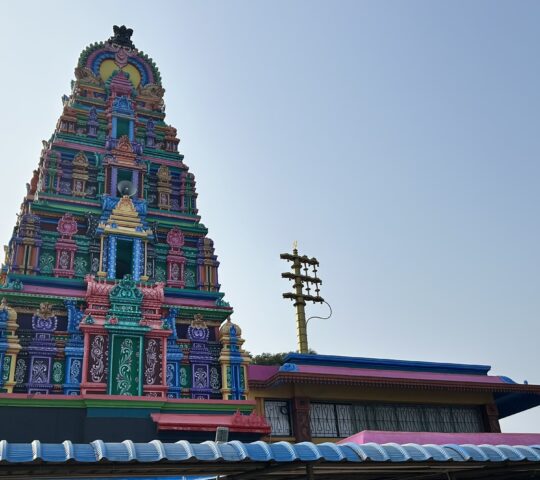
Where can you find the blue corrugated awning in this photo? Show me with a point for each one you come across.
(235, 458)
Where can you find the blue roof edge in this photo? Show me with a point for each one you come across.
(385, 364)
(281, 452)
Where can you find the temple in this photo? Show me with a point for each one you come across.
(110, 283)
(113, 325)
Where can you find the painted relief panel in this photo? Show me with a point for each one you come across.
(97, 360)
(185, 376)
(153, 358)
(125, 365)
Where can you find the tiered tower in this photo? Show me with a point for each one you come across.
(110, 282)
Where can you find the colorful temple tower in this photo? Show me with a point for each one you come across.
(110, 284)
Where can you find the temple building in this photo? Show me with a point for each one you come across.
(110, 283)
(113, 326)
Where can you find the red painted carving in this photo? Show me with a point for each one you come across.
(252, 421)
(153, 297)
(67, 226)
(175, 258)
(97, 299)
(65, 247)
(175, 239)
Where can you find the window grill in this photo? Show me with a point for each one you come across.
(322, 418)
(277, 415)
(343, 420)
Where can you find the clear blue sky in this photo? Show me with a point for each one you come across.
(396, 141)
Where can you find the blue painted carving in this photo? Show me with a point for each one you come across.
(200, 358)
(174, 355)
(42, 350)
(140, 206)
(74, 349)
(137, 259)
(288, 367)
(150, 134)
(237, 381)
(123, 106)
(92, 125)
(111, 267)
(114, 181)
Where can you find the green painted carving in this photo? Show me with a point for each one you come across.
(222, 303)
(6, 367)
(126, 290)
(46, 263)
(58, 372)
(242, 378)
(189, 278)
(15, 284)
(82, 243)
(124, 377)
(49, 241)
(81, 266)
(190, 253)
(228, 376)
(160, 274)
(125, 374)
(125, 311)
(185, 380)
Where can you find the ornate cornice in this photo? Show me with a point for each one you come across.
(378, 382)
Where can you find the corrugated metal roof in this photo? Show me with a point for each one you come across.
(236, 451)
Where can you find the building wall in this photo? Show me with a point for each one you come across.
(300, 396)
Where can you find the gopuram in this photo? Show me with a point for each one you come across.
(110, 284)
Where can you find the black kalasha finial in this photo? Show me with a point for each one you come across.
(122, 36)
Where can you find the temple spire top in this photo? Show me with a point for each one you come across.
(122, 36)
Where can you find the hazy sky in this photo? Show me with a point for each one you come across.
(396, 141)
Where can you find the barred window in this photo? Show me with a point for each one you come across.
(277, 414)
(331, 420)
(322, 417)
(343, 420)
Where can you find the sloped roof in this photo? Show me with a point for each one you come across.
(237, 422)
(265, 460)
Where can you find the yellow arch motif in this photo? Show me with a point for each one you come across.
(108, 67)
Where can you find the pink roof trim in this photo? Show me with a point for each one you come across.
(437, 438)
(262, 372)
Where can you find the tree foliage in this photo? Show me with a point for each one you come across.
(267, 358)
